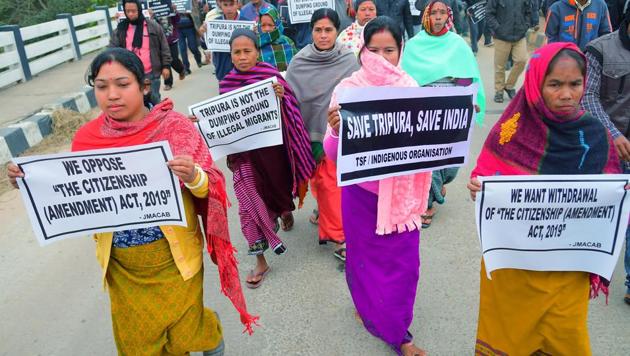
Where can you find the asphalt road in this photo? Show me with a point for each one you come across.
(52, 301)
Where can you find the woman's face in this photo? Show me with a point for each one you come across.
(324, 34)
(438, 15)
(266, 24)
(563, 87)
(244, 53)
(118, 93)
(384, 44)
(366, 12)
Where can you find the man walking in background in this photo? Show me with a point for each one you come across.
(577, 21)
(145, 38)
(509, 21)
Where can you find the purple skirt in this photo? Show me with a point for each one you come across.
(382, 271)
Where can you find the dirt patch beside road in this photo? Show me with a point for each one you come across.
(64, 123)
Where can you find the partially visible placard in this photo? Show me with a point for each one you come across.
(218, 33)
(300, 11)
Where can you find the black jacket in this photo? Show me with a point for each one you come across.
(160, 52)
(509, 20)
(399, 11)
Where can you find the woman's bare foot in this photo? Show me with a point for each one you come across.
(358, 317)
(409, 349)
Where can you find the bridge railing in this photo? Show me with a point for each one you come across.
(28, 51)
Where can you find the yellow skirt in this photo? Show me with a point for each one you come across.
(154, 311)
(529, 312)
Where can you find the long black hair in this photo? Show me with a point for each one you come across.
(381, 24)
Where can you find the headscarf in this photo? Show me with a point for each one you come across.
(275, 48)
(430, 58)
(531, 139)
(123, 25)
(427, 23)
(313, 74)
(294, 135)
(403, 199)
(164, 124)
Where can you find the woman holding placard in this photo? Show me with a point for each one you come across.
(267, 179)
(542, 131)
(313, 74)
(438, 57)
(381, 219)
(155, 275)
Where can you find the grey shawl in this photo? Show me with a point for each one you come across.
(313, 75)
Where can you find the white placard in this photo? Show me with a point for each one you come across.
(552, 222)
(300, 11)
(241, 120)
(218, 33)
(183, 5)
(81, 193)
(412, 8)
(386, 131)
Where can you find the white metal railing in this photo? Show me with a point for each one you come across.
(10, 67)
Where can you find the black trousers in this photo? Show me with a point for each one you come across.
(176, 63)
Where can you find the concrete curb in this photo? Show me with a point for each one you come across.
(17, 138)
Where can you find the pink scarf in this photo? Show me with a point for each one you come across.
(401, 200)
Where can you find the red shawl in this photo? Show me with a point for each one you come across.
(164, 124)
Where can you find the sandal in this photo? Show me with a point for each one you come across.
(427, 219)
(314, 219)
(340, 254)
(256, 284)
(286, 221)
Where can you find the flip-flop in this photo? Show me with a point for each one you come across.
(254, 285)
(287, 221)
(340, 254)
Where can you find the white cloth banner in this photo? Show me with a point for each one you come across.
(241, 120)
(115, 189)
(300, 11)
(553, 222)
(387, 132)
(218, 33)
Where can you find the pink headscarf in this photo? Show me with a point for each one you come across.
(401, 200)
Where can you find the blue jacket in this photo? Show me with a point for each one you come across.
(567, 23)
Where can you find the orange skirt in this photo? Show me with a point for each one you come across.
(530, 312)
(328, 196)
